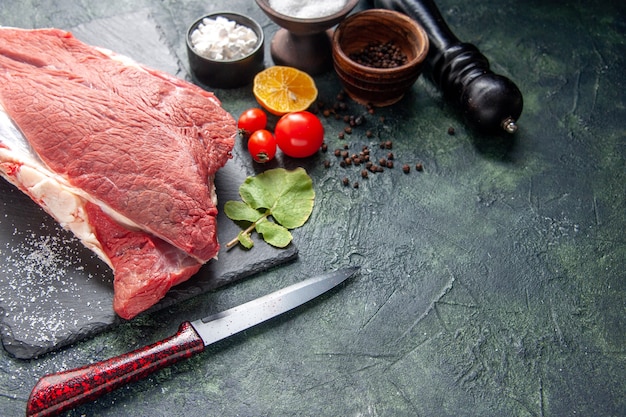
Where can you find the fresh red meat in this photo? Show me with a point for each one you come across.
(137, 148)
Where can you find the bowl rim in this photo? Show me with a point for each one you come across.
(394, 14)
(350, 4)
(243, 20)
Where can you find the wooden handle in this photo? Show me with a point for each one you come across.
(59, 392)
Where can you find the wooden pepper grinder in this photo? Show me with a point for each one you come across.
(490, 102)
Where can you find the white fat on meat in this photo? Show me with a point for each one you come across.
(22, 167)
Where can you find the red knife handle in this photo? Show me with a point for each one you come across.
(62, 391)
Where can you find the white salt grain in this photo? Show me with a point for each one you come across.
(221, 39)
(308, 9)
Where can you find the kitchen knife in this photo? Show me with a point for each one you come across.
(62, 391)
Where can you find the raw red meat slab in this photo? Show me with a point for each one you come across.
(139, 144)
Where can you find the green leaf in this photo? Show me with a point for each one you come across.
(289, 195)
(238, 210)
(274, 234)
(286, 197)
(245, 240)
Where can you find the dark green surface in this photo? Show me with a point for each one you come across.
(493, 282)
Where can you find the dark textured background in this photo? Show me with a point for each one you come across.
(493, 282)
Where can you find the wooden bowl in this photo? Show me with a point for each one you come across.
(301, 26)
(378, 86)
(304, 43)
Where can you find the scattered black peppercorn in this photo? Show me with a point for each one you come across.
(451, 130)
(345, 152)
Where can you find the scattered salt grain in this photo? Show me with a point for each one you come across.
(221, 39)
(308, 9)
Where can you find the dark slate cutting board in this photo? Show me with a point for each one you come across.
(54, 291)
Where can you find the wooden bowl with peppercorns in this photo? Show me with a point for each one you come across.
(378, 55)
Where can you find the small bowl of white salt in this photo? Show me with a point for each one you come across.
(304, 40)
(225, 49)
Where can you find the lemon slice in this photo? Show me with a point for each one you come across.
(281, 89)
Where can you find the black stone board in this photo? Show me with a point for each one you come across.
(54, 291)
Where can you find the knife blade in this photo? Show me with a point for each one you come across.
(62, 391)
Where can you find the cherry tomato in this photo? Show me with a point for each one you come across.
(262, 146)
(250, 121)
(299, 134)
